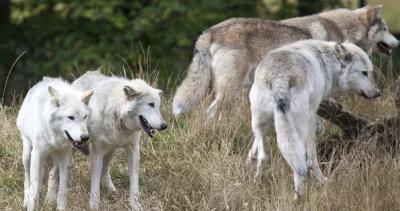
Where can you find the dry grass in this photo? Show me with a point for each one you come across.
(195, 167)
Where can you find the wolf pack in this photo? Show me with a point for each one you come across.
(290, 67)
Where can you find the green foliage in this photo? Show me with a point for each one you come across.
(64, 38)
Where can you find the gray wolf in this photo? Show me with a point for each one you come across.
(121, 108)
(52, 121)
(290, 83)
(225, 54)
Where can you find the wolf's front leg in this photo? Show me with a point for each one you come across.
(26, 161)
(133, 151)
(35, 179)
(106, 181)
(52, 184)
(95, 176)
(63, 165)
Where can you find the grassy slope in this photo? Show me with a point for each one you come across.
(194, 167)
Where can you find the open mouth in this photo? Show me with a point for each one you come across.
(384, 48)
(75, 144)
(146, 126)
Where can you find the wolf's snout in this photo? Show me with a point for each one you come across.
(396, 44)
(371, 94)
(163, 126)
(85, 138)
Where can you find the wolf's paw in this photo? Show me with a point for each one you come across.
(50, 199)
(259, 169)
(251, 160)
(255, 162)
(135, 205)
(60, 207)
(297, 196)
(94, 204)
(109, 186)
(322, 181)
(26, 201)
(25, 204)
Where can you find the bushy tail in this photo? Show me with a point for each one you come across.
(198, 79)
(289, 142)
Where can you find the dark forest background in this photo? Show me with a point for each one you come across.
(57, 38)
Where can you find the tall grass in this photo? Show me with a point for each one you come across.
(198, 166)
(194, 166)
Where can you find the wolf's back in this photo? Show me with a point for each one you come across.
(88, 80)
(198, 79)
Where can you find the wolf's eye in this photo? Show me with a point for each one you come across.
(71, 118)
(151, 105)
(365, 73)
(85, 117)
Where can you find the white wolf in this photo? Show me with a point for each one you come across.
(225, 54)
(290, 82)
(120, 109)
(52, 120)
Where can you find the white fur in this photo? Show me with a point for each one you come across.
(43, 122)
(295, 128)
(114, 124)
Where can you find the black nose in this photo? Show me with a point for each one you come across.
(163, 126)
(84, 138)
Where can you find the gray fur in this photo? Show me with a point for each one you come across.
(290, 83)
(233, 47)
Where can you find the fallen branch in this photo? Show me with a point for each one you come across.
(383, 133)
(350, 123)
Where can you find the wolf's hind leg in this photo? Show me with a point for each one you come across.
(257, 152)
(230, 68)
(106, 181)
(298, 185)
(312, 151)
(261, 119)
(212, 109)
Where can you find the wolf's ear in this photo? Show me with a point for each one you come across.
(343, 54)
(130, 92)
(159, 91)
(55, 95)
(373, 13)
(86, 96)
